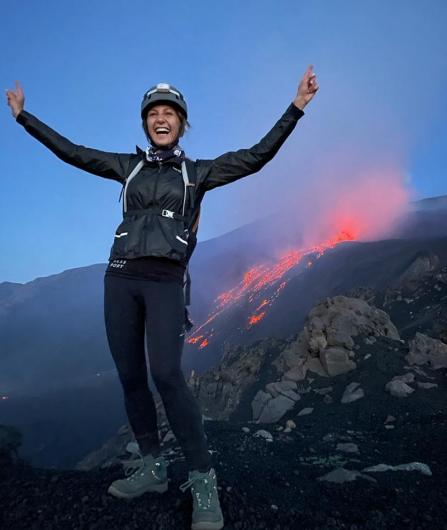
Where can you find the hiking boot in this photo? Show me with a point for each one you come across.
(150, 474)
(206, 511)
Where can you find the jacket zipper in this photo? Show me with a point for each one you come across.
(156, 183)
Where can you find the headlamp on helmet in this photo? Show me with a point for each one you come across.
(163, 93)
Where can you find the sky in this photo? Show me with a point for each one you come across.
(378, 122)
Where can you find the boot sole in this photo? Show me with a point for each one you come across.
(158, 488)
(207, 525)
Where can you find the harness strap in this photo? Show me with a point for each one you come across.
(160, 211)
(135, 171)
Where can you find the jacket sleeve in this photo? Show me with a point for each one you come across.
(234, 165)
(108, 165)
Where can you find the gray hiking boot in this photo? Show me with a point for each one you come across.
(150, 474)
(206, 511)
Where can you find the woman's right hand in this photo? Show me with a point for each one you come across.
(16, 99)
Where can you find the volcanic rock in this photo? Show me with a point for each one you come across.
(274, 409)
(352, 393)
(336, 360)
(282, 387)
(347, 447)
(398, 388)
(259, 402)
(426, 385)
(220, 389)
(424, 264)
(325, 345)
(305, 411)
(411, 466)
(340, 475)
(426, 350)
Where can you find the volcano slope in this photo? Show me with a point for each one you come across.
(337, 458)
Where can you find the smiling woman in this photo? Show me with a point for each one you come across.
(163, 125)
(160, 107)
(144, 297)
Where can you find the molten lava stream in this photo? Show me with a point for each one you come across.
(260, 277)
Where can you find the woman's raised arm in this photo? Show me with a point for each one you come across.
(101, 163)
(234, 165)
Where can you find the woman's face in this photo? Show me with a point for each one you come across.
(163, 125)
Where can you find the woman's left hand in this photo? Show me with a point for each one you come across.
(306, 89)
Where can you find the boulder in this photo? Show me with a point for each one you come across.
(426, 350)
(275, 409)
(336, 361)
(260, 400)
(313, 364)
(425, 263)
(279, 387)
(325, 346)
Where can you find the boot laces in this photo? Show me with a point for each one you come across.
(136, 464)
(203, 487)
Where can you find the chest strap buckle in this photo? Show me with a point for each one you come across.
(167, 213)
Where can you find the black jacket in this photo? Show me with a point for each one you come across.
(144, 231)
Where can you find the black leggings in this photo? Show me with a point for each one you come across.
(130, 307)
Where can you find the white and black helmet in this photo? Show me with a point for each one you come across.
(163, 93)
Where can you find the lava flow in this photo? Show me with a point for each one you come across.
(260, 278)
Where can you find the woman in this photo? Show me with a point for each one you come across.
(144, 281)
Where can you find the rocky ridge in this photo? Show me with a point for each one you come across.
(362, 392)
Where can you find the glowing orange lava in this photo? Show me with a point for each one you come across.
(260, 277)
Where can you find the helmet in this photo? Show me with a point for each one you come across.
(163, 93)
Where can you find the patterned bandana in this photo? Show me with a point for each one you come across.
(175, 154)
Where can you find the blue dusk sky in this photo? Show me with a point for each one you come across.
(84, 66)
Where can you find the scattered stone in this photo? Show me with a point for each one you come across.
(412, 466)
(406, 378)
(352, 393)
(280, 387)
(259, 401)
(347, 447)
(419, 371)
(261, 433)
(275, 409)
(341, 475)
(305, 411)
(427, 385)
(398, 388)
(324, 390)
(426, 350)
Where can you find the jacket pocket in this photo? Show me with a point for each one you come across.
(127, 236)
(173, 240)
